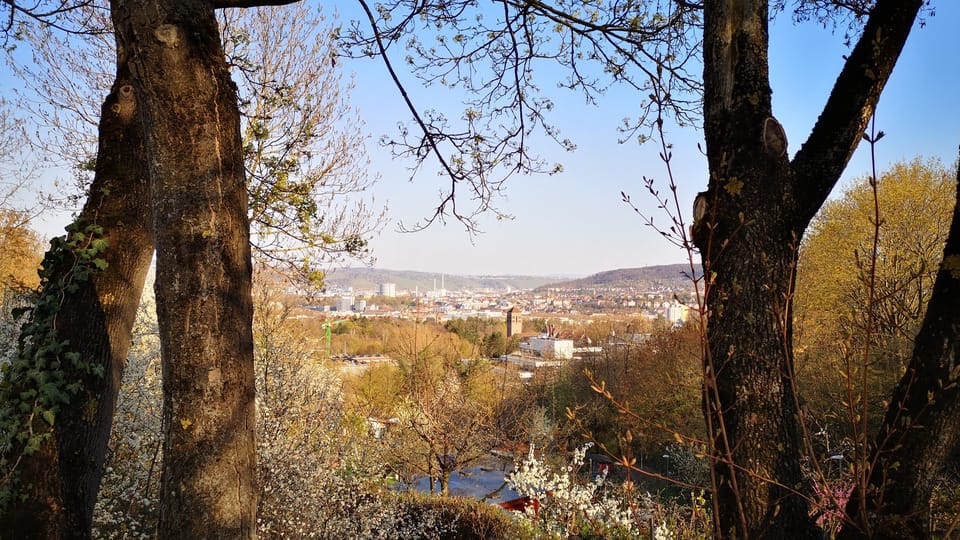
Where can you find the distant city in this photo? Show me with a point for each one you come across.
(657, 292)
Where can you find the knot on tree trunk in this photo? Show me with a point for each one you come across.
(168, 34)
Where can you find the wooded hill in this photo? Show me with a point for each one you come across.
(668, 276)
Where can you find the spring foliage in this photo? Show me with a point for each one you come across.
(915, 200)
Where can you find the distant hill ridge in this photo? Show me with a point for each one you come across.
(408, 280)
(670, 275)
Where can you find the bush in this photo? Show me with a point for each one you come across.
(468, 519)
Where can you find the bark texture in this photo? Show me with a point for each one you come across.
(191, 124)
(98, 322)
(759, 203)
(123, 195)
(749, 395)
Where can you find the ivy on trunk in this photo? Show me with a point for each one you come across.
(61, 481)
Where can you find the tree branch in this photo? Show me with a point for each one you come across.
(54, 17)
(429, 140)
(224, 4)
(820, 161)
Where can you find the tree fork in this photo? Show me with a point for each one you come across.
(762, 204)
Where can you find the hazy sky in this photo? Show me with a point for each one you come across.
(574, 223)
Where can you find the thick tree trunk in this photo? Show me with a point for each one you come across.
(445, 482)
(123, 196)
(749, 395)
(97, 320)
(757, 207)
(748, 244)
(921, 429)
(204, 306)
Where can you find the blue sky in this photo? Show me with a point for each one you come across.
(574, 223)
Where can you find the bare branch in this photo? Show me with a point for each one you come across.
(226, 4)
(429, 137)
(821, 159)
(493, 51)
(68, 16)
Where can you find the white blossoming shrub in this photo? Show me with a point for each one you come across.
(687, 464)
(128, 503)
(316, 477)
(567, 506)
(685, 517)
(9, 324)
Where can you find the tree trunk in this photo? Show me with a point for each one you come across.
(203, 291)
(921, 429)
(445, 482)
(758, 204)
(98, 321)
(748, 249)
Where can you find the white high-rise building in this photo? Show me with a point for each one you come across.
(388, 289)
(678, 313)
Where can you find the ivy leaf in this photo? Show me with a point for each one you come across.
(100, 244)
(48, 415)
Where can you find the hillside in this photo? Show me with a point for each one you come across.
(668, 276)
(371, 278)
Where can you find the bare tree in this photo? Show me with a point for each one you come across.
(304, 151)
(309, 187)
(494, 51)
(759, 204)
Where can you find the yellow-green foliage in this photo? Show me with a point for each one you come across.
(915, 201)
(21, 251)
(839, 331)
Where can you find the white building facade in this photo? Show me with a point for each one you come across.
(345, 303)
(678, 313)
(548, 347)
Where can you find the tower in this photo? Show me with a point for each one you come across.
(514, 324)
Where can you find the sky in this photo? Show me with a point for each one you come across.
(574, 223)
